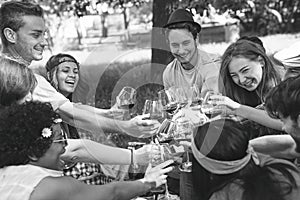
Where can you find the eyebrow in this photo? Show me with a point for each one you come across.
(239, 70)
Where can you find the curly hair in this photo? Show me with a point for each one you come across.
(11, 14)
(21, 132)
(227, 140)
(16, 81)
(251, 50)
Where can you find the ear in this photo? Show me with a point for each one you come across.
(10, 35)
(261, 61)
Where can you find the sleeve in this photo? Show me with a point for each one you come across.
(44, 92)
(210, 79)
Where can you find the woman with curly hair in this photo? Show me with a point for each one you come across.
(16, 84)
(246, 76)
(32, 143)
(225, 167)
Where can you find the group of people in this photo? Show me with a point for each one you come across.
(231, 160)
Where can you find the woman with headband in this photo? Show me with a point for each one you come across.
(225, 167)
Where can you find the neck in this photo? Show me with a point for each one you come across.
(12, 53)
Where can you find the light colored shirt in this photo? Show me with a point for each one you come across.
(205, 74)
(18, 182)
(45, 92)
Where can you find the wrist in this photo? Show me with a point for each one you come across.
(148, 185)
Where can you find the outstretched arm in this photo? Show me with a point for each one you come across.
(279, 146)
(84, 150)
(67, 188)
(87, 117)
(256, 115)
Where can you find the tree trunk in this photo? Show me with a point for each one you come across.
(103, 24)
(161, 55)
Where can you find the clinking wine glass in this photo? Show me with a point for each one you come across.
(167, 98)
(195, 95)
(184, 132)
(208, 106)
(164, 155)
(126, 98)
(155, 111)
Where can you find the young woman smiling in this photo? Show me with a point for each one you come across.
(246, 76)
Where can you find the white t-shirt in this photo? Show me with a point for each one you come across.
(205, 74)
(18, 182)
(45, 92)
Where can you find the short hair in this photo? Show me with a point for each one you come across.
(21, 132)
(183, 25)
(232, 142)
(250, 50)
(284, 99)
(11, 14)
(16, 81)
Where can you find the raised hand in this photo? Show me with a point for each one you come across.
(156, 175)
(141, 127)
(144, 154)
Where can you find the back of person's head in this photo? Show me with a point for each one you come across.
(52, 66)
(245, 48)
(226, 157)
(284, 99)
(16, 81)
(22, 134)
(182, 19)
(11, 13)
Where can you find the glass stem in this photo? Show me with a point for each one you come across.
(187, 156)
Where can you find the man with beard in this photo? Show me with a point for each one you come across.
(191, 65)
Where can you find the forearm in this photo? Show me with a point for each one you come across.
(259, 116)
(83, 150)
(279, 146)
(88, 118)
(131, 189)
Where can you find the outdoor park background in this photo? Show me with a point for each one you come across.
(112, 39)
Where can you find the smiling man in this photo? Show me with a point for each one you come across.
(23, 37)
(283, 102)
(191, 65)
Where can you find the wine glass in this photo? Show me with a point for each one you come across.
(165, 154)
(184, 132)
(184, 96)
(167, 97)
(126, 98)
(195, 95)
(208, 106)
(125, 101)
(155, 111)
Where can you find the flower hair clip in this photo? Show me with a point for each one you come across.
(46, 132)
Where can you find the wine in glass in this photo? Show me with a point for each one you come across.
(168, 101)
(208, 106)
(126, 98)
(184, 131)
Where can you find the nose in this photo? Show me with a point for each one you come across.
(180, 50)
(242, 79)
(44, 41)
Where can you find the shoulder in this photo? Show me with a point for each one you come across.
(56, 188)
(170, 66)
(208, 58)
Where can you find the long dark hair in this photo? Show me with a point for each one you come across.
(232, 142)
(250, 50)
